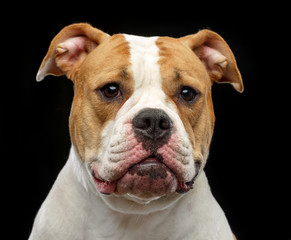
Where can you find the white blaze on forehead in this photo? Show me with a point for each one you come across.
(144, 56)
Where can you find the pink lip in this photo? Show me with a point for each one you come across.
(141, 169)
(105, 187)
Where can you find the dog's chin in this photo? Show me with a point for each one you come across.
(148, 180)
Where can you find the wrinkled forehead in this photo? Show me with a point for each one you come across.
(158, 62)
(144, 57)
(147, 64)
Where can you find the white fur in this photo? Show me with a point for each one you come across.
(72, 212)
(74, 209)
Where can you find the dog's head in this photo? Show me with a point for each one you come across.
(142, 115)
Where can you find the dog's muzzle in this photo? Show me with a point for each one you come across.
(151, 176)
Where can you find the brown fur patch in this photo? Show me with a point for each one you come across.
(181, 67)
(108, 63)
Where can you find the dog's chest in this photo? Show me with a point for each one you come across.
(122, 226)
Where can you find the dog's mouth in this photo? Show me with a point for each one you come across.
(147, 179)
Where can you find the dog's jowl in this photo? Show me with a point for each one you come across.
(141, 124)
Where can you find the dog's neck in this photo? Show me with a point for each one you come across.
(82, 201)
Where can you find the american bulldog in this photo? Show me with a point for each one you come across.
(141, 124)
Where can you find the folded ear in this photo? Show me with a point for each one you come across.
(69, 49)
(217, 57)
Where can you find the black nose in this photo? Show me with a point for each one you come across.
(152, 125)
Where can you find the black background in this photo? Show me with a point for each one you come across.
(248, 163)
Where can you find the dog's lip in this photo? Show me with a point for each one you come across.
(109, 187)
(185, 187)
(151, 160)
(182, 187)
(103, 186)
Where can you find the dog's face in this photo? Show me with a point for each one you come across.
(142, 116)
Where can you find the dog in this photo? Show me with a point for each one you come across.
(141, 124)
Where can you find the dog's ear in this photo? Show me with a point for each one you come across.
(214, 52)
(69, 48)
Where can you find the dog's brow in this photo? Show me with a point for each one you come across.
(177, 74)
(124, 73)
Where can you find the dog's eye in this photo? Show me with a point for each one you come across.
(188, 94)
(111, 90)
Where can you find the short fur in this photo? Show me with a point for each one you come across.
(150, 74)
